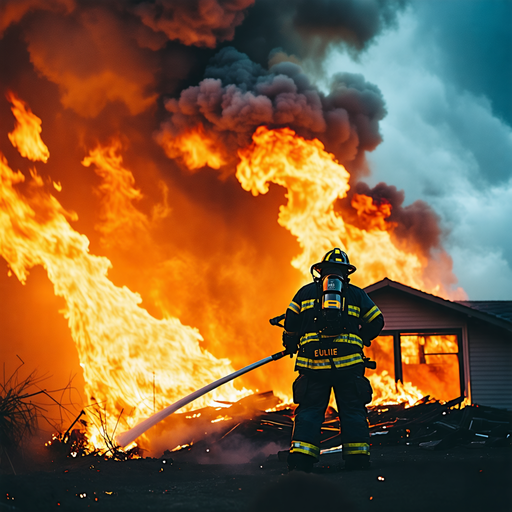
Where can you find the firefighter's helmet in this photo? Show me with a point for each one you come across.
(332, 259)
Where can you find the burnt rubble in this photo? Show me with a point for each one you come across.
(259, 426)
(429, 424)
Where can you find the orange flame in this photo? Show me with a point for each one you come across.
(120, 345)
(432, 363)
(130, 359)
(120, 220)
(194, 147)
(373, 215)
(387, 391)
(430, 367)
(314, 181)
(26, 134)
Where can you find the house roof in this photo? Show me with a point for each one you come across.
(495, 312)
(499, 308)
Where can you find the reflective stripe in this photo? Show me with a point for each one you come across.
(302, 447)
(307, 304)
(313, 364)
(325, 364)
(294, 307)
(377, 313)
(356, 449)
(308, 337)
(353, 339)
(372, 314)
(341, 362)
(354, 310)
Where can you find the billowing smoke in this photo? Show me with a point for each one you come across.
(195, 22)
(417, 223)
(238, 95)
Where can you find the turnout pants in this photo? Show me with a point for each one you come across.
(312, 393)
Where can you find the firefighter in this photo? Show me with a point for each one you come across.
(328, 322)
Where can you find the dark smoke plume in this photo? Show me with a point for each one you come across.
(416, 224)
(308, 28)
(238, 95)
(194, 22)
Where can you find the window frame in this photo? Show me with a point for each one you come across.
(396, 333)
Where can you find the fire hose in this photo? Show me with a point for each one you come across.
(125, 438)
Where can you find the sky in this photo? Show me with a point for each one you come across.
(445, 72)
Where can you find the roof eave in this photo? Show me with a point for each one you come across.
(460, 308)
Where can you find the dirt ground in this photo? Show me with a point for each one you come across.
(402, 478)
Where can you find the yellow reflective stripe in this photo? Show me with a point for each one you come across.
(377, 313)
(313, 364)
(325, 364)
(371, 314)
(356, 448)
(307, 304)
(332, 304)
(353, 339)
(308, 449)
(354, 310)
(309, 336)
(341, 362)
(294, 307)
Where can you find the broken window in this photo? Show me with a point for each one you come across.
(430, 362)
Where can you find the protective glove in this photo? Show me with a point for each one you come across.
(290, 342)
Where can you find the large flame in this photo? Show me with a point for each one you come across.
(121, 346)
(134, 363)
(314, 181)
(430, 367)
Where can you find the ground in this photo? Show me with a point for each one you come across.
(402, 478)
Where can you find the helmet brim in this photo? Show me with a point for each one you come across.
(323, 264)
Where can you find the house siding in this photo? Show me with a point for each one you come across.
(486, 349)
(490, 356)
(403, 312)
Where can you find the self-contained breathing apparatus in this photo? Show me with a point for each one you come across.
(332, 282)
(331, 278)
(332, 304)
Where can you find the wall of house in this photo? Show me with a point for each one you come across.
(490, 355)
(405, 311)
(487, 350)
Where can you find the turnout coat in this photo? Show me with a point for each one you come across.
(361, 321)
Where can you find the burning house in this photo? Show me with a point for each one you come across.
(168, 177)
(446, 348)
